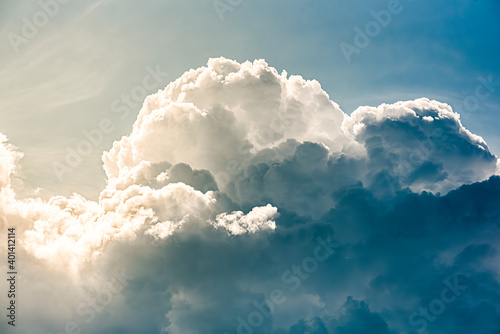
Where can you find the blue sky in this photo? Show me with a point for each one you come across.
(237, 166)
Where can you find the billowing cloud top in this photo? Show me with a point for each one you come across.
(236, 175)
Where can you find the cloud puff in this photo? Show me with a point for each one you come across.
(422, 143)
(224, 202)
(239, 223)
(224, 113)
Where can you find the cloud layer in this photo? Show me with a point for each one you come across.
(246, 201)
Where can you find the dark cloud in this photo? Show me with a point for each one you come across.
(392, 259)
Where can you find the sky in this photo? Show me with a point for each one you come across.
(234, 166)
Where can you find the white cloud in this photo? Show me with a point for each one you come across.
(260, 218)
(8, 158)
(217, 156)
(227, 119)
(434, 156)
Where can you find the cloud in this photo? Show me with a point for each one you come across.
(239, 223)
(422, 143)
(9, 158)
(225, 113)
(233, 181)
(355, 317)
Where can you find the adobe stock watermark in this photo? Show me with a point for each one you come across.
(121, 106)
(372, 29)
(31, 26)
(483, 91)
(88, 310)
(425, 315)
(223, 6)
(292, 279)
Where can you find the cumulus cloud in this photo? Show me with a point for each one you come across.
(422, 143)
(233, 182)
(239, 223)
